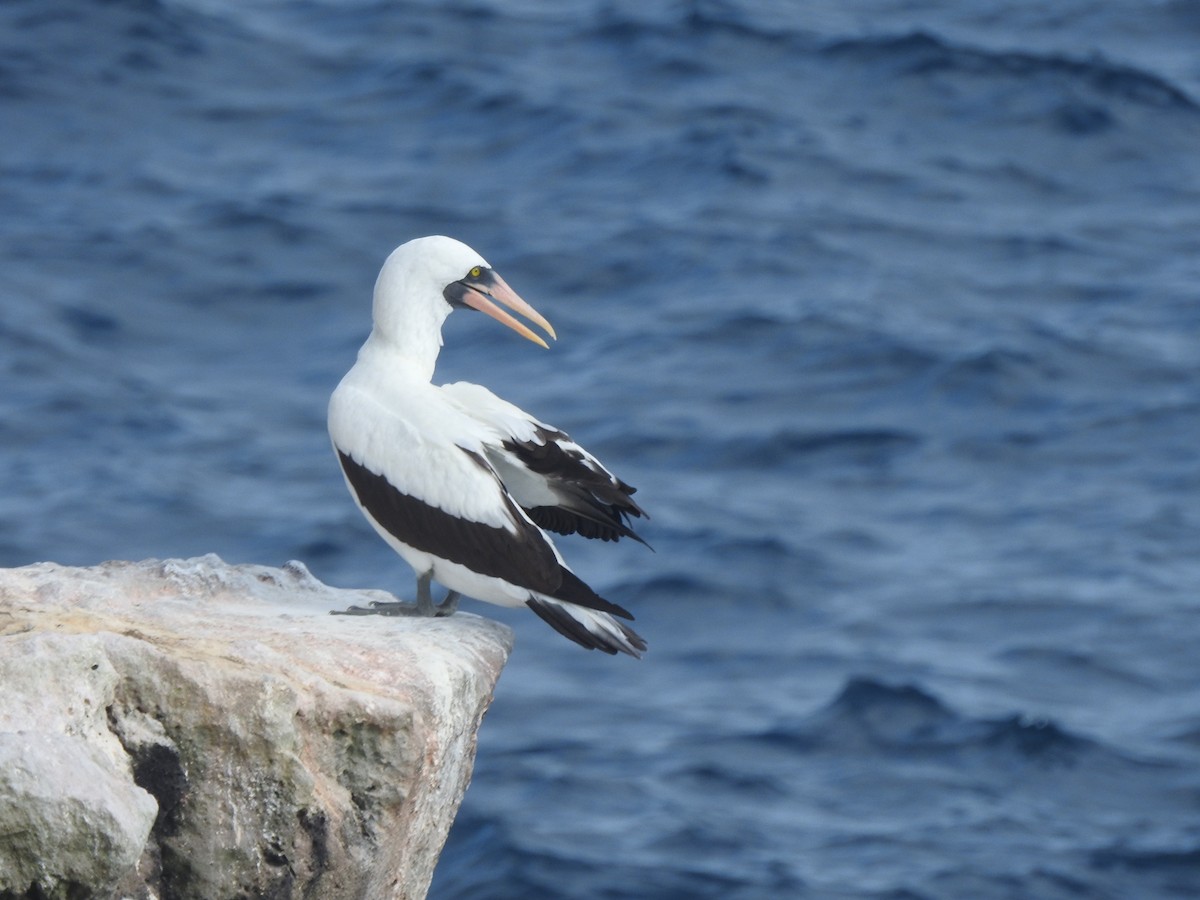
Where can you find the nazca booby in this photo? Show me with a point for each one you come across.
(461, 484)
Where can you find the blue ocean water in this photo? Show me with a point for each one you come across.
(889, 309)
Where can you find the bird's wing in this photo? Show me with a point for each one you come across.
(560, 485)
(432, 489)
(423, 476)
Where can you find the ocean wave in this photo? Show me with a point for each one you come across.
(693, 860)
(1167, 871)
(1185, 860)
(869, 714)
(691, 21)
(922, 53)
(494, 861)
(856, 448)
(712, 778)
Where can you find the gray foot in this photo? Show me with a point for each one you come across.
(424, 606)
(381, 608)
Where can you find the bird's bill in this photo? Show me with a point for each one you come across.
(499, 291)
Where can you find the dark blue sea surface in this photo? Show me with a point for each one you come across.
(891, 310)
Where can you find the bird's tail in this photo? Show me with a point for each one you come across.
(589, 628)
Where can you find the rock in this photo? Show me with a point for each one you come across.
(187, 729)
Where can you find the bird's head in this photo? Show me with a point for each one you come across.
(444, 274)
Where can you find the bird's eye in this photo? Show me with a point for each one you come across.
(476, 272)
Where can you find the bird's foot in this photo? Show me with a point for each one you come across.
(424, 606)
(382, 608)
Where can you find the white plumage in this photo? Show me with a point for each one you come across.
(461, 484)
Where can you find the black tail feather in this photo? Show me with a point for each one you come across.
(574, 590)
(558, 618)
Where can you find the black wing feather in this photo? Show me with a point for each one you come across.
(593, 504)
(525, 559)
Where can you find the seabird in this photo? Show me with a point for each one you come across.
(464, 485)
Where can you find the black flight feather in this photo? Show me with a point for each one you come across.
(594, 504)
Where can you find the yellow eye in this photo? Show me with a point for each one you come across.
(475, 272)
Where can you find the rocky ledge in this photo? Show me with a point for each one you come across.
(188, 728)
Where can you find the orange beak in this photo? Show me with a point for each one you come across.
(490, 289)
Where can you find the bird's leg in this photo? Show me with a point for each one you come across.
(424, 597)
(423, 607)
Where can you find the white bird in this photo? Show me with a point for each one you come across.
(460, 483)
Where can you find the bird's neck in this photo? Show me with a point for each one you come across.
(415, 359)
(408, 335)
